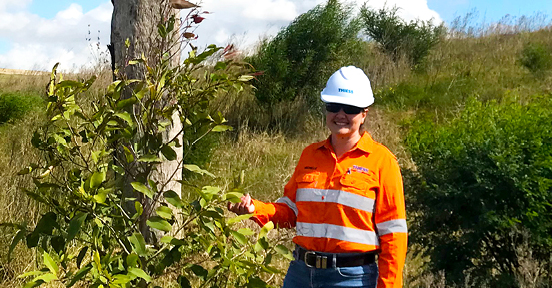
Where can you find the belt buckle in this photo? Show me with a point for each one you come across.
(321, 261)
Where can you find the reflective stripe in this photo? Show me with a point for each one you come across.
(337, 232)
(392, 226)
(289, 203)
(336, 196)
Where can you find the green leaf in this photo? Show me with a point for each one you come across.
(126, 117)
(138, 244)
(196, 169)
(128, 155)
(159, 223)
(266, 228)
(221, 65)
(172, 198)
(184, 282)
(135, 61)
(123, 279)
(47, 278)
(79, 275)
(29, 274)
(142, 189)
(25, 171)
(81, 255)
(234, 197)
(50, 263)
(284, 251)
(75, 225)
(168, 152)
(139, 208)
(133, 260)
(239, 237)
(101, 196)
(58, 244)
(199, 271)
(222, 128)
(261, 245)
(139, 273)
(126, 102)
(33, 284)
(150, 159)
(246, 231)
(164, 212)
(245, 78)
(238, 218)
(16, 239)
(171, 240)
(97, 179)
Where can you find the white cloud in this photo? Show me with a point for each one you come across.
(70, 36)
(6, 5)
(270, 10)
(250, 19)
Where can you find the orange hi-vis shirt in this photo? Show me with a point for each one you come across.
(348, 205)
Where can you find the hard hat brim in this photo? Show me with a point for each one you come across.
(361, 103)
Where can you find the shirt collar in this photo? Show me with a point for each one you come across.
(365, 143)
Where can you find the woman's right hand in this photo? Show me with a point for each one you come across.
(244, 207)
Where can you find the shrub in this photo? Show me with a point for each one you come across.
(482, 178)
(298, 61)
(16, 105)
(537, 58)
(396, 37)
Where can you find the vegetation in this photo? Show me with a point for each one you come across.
(537, 57)
(470, 127)
(397, 38)
(16, 105)
(484, 178)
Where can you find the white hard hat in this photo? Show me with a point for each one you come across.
(348, 85)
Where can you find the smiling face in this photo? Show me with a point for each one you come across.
(345, 125)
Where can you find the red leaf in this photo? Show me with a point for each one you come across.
(197, 18)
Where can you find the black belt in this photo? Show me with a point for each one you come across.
(326, 260)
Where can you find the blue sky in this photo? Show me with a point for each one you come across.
(492, 10)
(35, 34)
(49, 8)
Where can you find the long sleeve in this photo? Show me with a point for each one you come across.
(283, 212)
(390, 219)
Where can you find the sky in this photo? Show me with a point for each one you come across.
(35, 34)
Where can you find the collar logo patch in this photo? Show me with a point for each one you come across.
(361, 169)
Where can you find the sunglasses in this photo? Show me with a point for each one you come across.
(348, 109)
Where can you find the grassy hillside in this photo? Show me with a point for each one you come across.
(485, 68)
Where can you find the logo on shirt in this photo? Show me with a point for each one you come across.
(361, 169)
(310, 168)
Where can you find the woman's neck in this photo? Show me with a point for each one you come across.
(342, 144)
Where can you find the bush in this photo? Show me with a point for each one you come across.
(537, 58)
(16, 105)
(483, 178)
(397, 38)
(299, 60)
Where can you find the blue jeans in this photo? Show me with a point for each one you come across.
(301, 276)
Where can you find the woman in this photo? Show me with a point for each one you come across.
(345, 199)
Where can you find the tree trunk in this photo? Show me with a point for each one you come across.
(135, 23)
